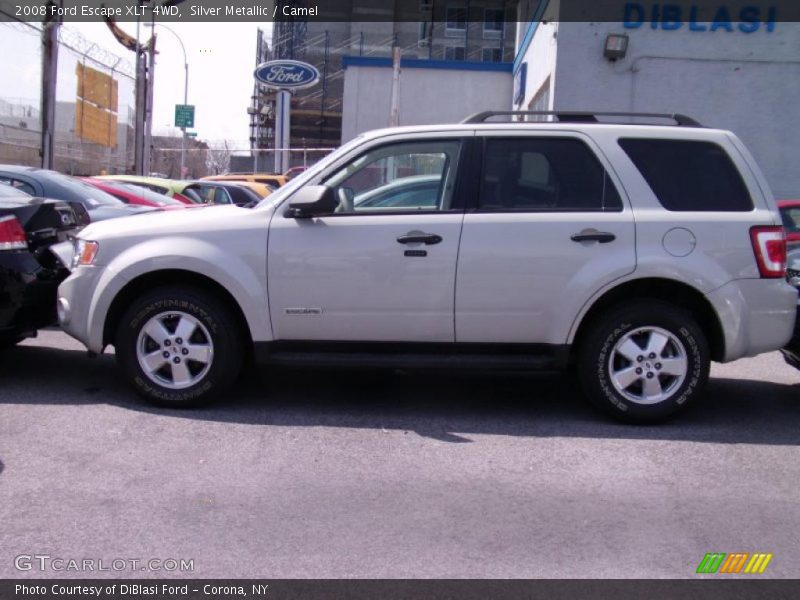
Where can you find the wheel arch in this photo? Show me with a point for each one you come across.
(154, 279)
(674, 292)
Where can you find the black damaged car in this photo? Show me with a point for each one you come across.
(29, 272)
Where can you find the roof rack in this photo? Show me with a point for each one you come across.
(581, 117)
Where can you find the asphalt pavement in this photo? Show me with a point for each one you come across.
(317, 474)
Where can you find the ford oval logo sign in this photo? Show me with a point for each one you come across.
(287, 74)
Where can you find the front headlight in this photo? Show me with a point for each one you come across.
(85, 251)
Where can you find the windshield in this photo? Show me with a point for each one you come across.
(145, 194)
(289, 188)
(94, 197)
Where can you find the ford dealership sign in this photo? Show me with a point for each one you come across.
(287, 74)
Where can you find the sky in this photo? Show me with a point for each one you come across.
(221, 58)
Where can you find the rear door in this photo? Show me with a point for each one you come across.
(549, 228)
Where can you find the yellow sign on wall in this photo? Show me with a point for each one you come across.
(97, 87)
(95, 124)
(96, 107)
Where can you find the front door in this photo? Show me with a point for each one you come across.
(382, 266)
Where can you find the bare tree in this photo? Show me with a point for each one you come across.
(219, 157)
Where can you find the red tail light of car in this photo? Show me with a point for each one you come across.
(12, 235)
(769, 247)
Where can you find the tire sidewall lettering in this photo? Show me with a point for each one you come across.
(199, 390)
(694, 376)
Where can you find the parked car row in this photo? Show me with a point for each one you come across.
(42, 183)
(201, 191)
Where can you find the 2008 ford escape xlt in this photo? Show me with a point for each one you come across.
(636, 252)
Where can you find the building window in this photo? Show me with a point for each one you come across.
(422, 33)
(454, 53)
(456, 21)
(493, 23)
(492, 54)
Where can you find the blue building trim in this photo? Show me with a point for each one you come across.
(528, 37)
(421, 63)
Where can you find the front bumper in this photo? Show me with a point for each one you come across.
(77, 307)
(757, 315)
(27, 294)
(791, 351)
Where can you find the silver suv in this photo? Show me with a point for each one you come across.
(637, 253)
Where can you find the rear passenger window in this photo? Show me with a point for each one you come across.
(689, 175)
(545, 174)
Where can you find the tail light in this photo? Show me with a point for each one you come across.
(12, 235)
(769, 246)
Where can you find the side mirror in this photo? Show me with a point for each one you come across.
(311, 201)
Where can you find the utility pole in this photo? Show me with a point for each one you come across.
(140, 105)
(50, 29)
(282, 124)
(394, 109)
(150, 82)
(185, 86)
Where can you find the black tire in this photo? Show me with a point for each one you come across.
(10, 342)
(639, 320)
(216, 322)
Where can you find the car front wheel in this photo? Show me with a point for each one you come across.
(179, 346)
(644, 361)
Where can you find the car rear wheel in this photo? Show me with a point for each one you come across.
(644, 361)
(179, 346)
(10, 342)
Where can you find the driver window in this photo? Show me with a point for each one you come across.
(409, 176)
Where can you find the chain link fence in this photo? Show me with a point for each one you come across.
(94, 102)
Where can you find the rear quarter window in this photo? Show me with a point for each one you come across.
(688, 175)
(790, 215)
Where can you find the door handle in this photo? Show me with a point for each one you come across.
(419, 238)
(592, 235)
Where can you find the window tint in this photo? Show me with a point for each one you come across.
(790, 216)
(147, 194)
(405, 176)
(689, 175)
(88, 195)
(221, 196)
(203, 194)
(545, 174)
(20, 188)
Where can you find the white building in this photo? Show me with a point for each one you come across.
(737, 75)
(430, 91)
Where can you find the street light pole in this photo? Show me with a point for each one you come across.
(185, 90)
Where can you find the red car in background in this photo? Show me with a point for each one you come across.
(790, 215)
(134, 194)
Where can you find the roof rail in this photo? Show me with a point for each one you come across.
(580, 117)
